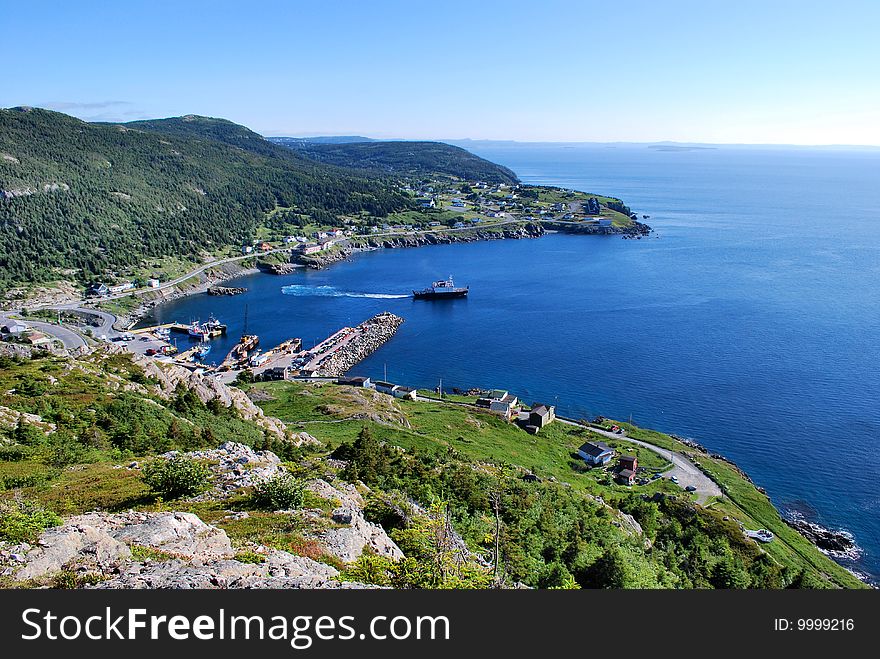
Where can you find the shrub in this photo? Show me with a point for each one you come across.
(21, 521)
(282, 492)
(176, 477)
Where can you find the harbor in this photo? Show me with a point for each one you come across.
(330, 357)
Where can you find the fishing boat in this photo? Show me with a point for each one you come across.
(202, 351)
(441, 290)
(196, 330)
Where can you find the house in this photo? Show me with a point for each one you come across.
(626, 469)
(320, 235)
(630, 462)
(265, 247)
(458, 225)
(542, 415)
(337, 233)
(404, 392)
(121, 288)
(596, 453)
(355, 382)
(277, 373)
(98, 290)
(312, 248)
(246, 249)
(14, 327)
(458, 203)
(153, 282)
(434, 224)
(503, 403)
(289, 239)
(475, 220)
(426, 203)
(384, 387)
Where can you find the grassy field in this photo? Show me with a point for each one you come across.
(336, 414)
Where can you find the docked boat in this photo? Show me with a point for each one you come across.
(441, 290)
(196, 330)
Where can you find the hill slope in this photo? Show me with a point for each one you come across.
(65, 425)
(78, 199)
(405, 158)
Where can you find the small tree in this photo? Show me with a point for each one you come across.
(281, 492)
(176, 477)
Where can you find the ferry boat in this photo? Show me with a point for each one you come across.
(441, 290)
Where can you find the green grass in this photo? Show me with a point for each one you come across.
(324, 411)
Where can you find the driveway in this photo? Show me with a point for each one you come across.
(682, 468)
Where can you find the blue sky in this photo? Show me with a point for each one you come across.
(730, 72)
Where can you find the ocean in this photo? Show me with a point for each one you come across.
(748, 321)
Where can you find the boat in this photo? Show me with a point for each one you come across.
(195, 330)
(202, 351)
(441, 290)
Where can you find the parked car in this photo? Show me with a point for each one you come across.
(690, 488)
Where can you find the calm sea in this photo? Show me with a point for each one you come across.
(749, 321)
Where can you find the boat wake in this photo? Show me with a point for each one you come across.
(300, 290)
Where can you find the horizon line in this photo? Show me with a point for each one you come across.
(312, 134)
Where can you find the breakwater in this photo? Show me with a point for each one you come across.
(358, 344)
(225, 290)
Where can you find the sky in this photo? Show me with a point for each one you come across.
(768, 72)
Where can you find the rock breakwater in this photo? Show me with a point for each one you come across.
(368, 337)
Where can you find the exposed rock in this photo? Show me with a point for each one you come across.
(181, 534)
(237, 465)
(74, 541)
(169, 376)
(226, 574)
(355, 533)
(202, 555)
(840, 544)
(225, 290)
(10, 418)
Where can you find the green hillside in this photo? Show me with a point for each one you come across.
(572, 528)
(406, 159)
(78, 200)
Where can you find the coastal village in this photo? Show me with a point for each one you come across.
(451, 210)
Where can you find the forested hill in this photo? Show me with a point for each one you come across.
(405, 158)
(78, 199)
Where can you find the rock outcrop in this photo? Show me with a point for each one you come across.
(353, 533)
(170, 376)
(187, 554)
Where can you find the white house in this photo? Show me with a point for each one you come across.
(404, 392)
(153, 282)
(596, 453)
(247, 249)
(121, 288)
(14, 327)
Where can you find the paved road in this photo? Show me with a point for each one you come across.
(682, 468)
(71, 339)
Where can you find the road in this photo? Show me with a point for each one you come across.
(682, 468)
(71, 339)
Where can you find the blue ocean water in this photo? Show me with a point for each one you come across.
(749, 321)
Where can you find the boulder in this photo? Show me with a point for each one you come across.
(73, 542)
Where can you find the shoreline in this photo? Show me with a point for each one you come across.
(518, 231)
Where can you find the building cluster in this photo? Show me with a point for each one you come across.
(599, 454)
(389, 388)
